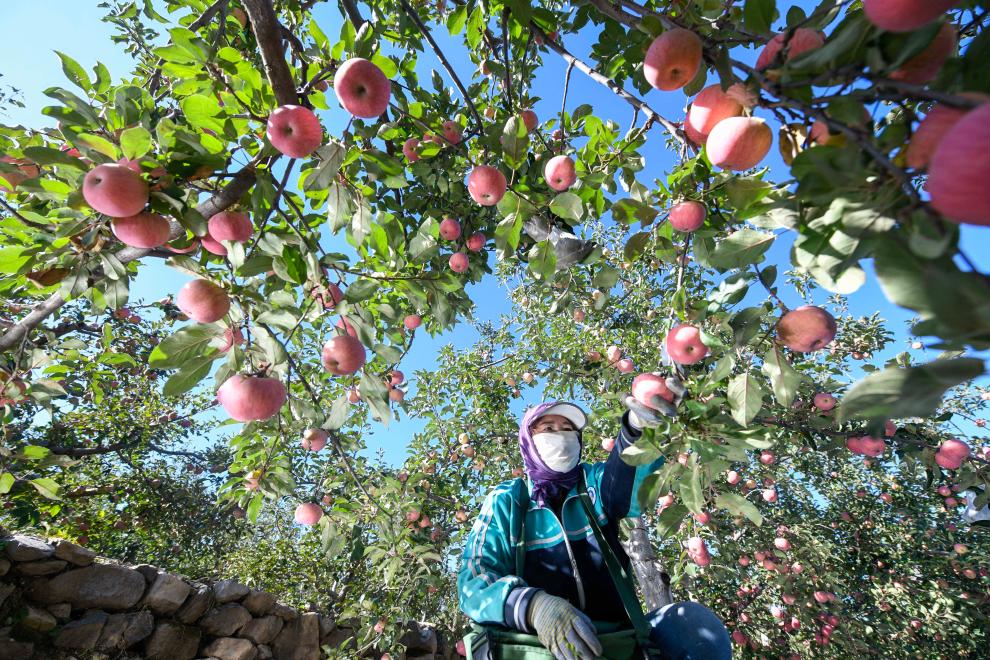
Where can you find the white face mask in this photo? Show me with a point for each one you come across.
(560, 450)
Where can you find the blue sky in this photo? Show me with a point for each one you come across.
(30, 64)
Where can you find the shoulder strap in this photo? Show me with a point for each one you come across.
(519, 529)
(620, 577)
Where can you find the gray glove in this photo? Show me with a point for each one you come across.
(563, 629)
(642, 416)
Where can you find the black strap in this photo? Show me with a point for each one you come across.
(620, 576)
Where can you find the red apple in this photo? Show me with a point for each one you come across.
(530, 120)
(648, 389)
(767, 457)
(486, 185)
(951, 454)
(684, 344)
(625, 365)
(231, 337)
(905, 15)
(956, 174)
(459, 262)
(346, 326)
(409, 149)
(230, 226)
(924, 66)
(314, 439)
(801, 41)
(476, 242)
(824, 401)
(672, 60)
(805, 329)
(115, 190)
(343, 355)
(203, 301)
(144, 230)
(395, 394)
(732, 477)
(709, 107)
(412, 321)
(294, 130)
(452, 132)
(450, 229)
(560, 173)
(362, 88)
(687, 216)
(782, 544)
(26, 170)
(739, 143)
(247, 398)
(308, 513)
(866, 446)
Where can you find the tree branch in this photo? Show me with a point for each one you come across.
(268, 32)
(443, 60)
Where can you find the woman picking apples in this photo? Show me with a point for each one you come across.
(536, 563)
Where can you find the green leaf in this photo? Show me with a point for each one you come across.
(187, 377)
(758, 15)
(515, 142)
(184, 346)
(568, 206)
(745, 398)
(338, 413)
(743, 192)
(784, 379)
(641, 453)
(605, 278)
(628, 211)
(135, 142)
(46, 487)
(295, 265)
(203, 112)
(740, 249)
(738, 505)
(691, 491)
(361, 289)
(542, 260)
(898, 392)
(340, 206)
(254, 507)
(6, 482)
(670, 519)
(74, 72)
(331, 157)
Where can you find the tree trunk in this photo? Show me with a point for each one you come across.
(653, 580)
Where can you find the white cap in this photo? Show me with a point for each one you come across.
(568, 410)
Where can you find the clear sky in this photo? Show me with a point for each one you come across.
(28, 62)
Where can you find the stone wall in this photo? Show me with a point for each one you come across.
(58, 600)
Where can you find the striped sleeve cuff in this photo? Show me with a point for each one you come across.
(516, 607)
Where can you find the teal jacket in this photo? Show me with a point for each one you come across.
(490, 590)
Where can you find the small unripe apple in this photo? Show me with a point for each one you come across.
(807, 328)
(343, 355)
(560, 173)
(115, 190)
(684, 344)
(362, 88)
(144, 230)
(486, 185)
(308, 513)
(294, 131)
(739, 143)
(250, 398)
(203, 301)
(450, 229)
(687, 216)
(672, 59)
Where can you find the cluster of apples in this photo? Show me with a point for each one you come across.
(450, 230)
(716, 118)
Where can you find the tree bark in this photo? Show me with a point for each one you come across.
(653, 580)
(268, 32)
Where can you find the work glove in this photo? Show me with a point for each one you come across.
(642, 416)
(563, 629)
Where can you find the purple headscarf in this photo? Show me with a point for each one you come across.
(547, 483)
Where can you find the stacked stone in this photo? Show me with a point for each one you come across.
(60, 602)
